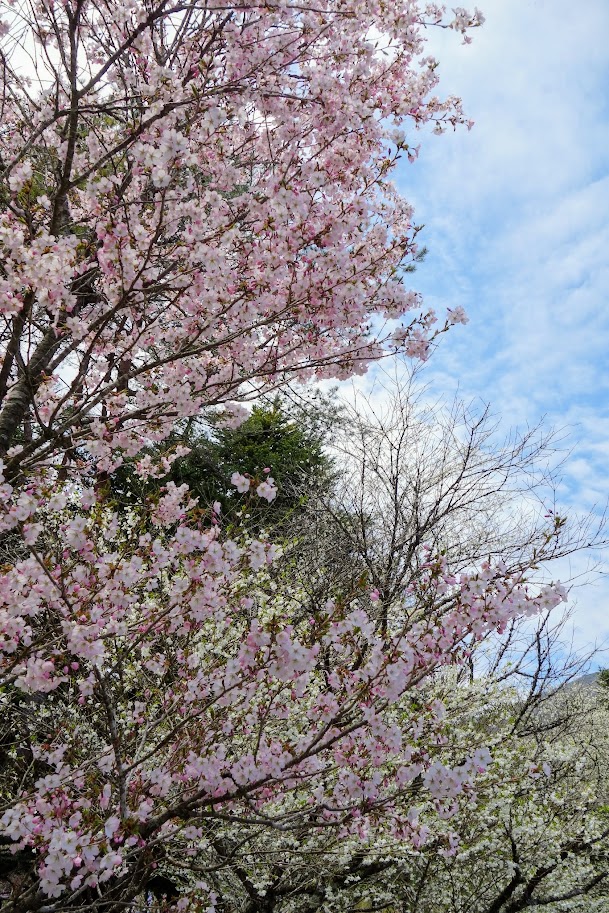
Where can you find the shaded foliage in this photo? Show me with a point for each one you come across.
(283, 439)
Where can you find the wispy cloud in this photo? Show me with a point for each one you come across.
(516, 220)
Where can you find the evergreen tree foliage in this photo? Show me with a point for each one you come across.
(282, 439)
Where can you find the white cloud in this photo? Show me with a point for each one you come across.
(517, 223)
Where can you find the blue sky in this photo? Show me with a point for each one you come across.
(516, 218)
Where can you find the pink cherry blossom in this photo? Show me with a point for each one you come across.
(267, 490)
(241, 482)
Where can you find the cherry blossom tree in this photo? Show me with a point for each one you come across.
(196, 199)
(534, 833)
(195, 206)
(160, 699)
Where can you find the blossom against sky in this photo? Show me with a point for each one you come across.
(516, 217)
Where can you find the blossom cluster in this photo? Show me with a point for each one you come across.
(240, 713)
(241, 229)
